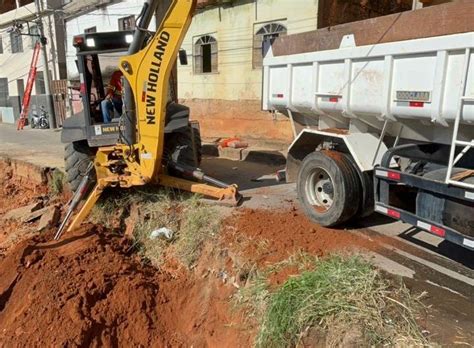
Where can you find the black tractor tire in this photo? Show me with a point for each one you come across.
(78, 156)
(340, 179)
(183, 147)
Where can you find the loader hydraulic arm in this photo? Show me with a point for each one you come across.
(147, 73)
(138, 159)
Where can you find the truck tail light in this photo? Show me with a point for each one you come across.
(393, 213)
(416, 104)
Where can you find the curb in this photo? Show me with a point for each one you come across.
(27, 171)
(250, 154)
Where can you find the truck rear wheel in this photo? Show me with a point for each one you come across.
(77, 157)
(328, 188)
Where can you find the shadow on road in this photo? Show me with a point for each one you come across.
(248, 174)
(445, 248)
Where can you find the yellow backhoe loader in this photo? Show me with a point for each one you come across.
(150, 140)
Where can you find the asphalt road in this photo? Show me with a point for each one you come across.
(38, 146)
(428, 261)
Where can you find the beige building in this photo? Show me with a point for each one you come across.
(223, 81)
(16, 51)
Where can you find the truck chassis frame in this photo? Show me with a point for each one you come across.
(385, 178)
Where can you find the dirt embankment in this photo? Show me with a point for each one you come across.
(92, 289)
(286, 232)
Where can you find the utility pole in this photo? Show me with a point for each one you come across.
(47, 73)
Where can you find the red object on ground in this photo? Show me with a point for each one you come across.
(225, 142)
(235, 143)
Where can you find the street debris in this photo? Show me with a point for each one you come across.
(50, 218)
(22, 212)
(235, 143)
(162, 232)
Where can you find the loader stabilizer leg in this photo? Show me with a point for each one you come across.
(83, 213)
(226, 195)
(87, 207)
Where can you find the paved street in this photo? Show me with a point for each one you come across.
(38, 146)
(406, 251)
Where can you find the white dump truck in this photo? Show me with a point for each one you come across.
(386, 127)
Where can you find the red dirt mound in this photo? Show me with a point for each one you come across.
(286, 232)
(82, 291)
(91, 290)
(15, 192)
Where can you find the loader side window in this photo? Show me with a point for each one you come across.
(205, 55)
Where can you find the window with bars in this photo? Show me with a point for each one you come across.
(205, 55)
(90, 30)
(262, 39)
(4, 94)
(126, 23)
(16, 42)
(39, 83)
(34, 32)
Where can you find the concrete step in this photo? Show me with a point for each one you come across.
(251, 154)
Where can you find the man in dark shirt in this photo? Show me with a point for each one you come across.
(113, 97)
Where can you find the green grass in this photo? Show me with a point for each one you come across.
(191, 222)
(344, 297)
(56, 182)
(111, 207)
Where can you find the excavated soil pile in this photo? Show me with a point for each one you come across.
(15, 192)
(90, 289)
(285, 232)
(85, 290)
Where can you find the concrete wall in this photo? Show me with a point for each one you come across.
(16, 66)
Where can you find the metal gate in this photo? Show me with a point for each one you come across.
(59, 90)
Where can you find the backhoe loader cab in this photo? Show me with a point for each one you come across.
(97, 59)
(98, 56)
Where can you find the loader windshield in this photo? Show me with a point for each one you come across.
(102, 91)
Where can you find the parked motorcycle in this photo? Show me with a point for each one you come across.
(41, 121)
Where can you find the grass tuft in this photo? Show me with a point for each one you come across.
(191, 221)
(200, 223)
(344, 297)
(57, 182)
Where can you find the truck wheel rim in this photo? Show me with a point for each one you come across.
(320, 190)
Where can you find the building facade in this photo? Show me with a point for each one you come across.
(16, 51)
(226, 43)
(223, 81)
(97, 16)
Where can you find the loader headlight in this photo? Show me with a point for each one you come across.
(128, 38)
(90, 43)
